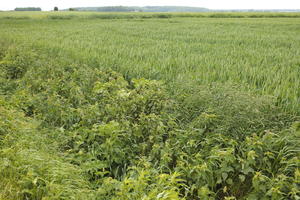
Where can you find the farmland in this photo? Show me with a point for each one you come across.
(149, 106)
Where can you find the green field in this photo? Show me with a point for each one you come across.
(149, 105)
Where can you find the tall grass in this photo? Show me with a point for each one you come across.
(260, 55)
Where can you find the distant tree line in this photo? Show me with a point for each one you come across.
(107, 9)
(172, 9)
(169, 9)
(28, 9)
(141, 9)
(115, 9)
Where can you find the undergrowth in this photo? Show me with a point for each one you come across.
(76, 132)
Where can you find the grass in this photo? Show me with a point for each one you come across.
(149, 105)
(259, 54)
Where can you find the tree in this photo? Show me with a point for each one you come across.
(55, 8)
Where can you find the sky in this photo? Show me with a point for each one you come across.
(212, 4)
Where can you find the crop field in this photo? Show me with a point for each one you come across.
(146, 106)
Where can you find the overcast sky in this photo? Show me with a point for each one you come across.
(213, 4)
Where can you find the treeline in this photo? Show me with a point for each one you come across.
(105, 9)
(141, 9)
(169, 9)
(28, 9)
(173, 9)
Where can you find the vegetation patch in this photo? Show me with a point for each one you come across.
(128, 139)
(102, 114)
(59, 17)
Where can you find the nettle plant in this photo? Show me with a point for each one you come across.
(123, 122)
(130, 121)
(263, 166)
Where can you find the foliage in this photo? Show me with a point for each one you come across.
(28, 9)
(29, 167)
(251, 60)
(72, 128)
